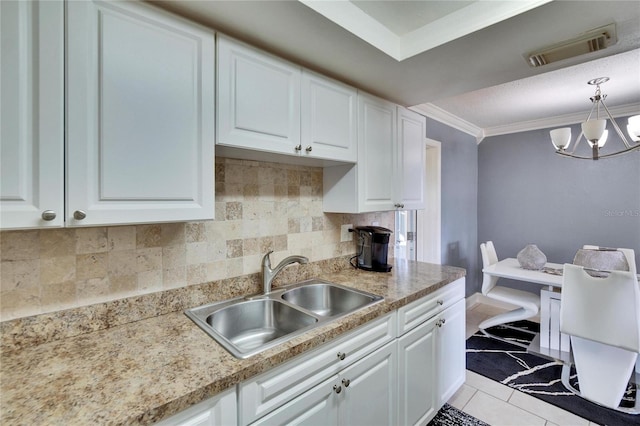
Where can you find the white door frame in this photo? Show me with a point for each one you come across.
(429, 219)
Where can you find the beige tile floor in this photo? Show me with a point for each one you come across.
(499, 405)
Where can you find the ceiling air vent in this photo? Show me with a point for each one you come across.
(591, 41)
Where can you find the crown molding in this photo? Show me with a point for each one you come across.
(559, 121)
(445, 117)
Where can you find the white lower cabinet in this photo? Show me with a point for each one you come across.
(368, 386)
(431, 353)
(361, 394)
(417, 375)
(451, 349)
(276, 388)
(220, 410)
(395, 370)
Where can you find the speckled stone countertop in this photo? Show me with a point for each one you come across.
(146, 370)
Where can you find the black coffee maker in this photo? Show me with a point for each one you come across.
(372, 248)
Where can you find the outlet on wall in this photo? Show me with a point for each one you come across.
(345, 235)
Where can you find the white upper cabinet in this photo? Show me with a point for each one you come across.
(268, 106)
(328, 119)
(140, 115)
(377, 153)
(32, 114)
(391, 169)
(412, 160)
(258, 100)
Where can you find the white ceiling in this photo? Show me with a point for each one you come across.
(459, 62)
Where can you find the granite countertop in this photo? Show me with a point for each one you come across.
(143, 371)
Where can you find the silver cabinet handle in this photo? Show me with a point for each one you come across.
(48, 215)
(309, 148)
(79, 214)
(399, 206)
(337, 389)
(341, 355)
(298, 148)
(440, 302)
(346, 382)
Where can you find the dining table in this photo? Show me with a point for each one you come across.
(550, 275)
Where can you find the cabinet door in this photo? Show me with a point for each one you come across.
(328, 119)
(417, 375)
(412, 159)
(451, 361)
(258, 100)
(369, 389)
(317, 406)
(32, 114)
(376, 154)
(219, 410)
(140, 115)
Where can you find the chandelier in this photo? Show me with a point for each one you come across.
(594, 130)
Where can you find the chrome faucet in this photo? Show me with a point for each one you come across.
(268, 274)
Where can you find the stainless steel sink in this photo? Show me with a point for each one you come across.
(248, 326)
(328, 300)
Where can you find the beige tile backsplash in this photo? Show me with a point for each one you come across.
(259, 207)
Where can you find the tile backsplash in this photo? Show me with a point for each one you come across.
(259, 207)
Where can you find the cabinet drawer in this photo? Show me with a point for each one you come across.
(274, 388)
(417, 312)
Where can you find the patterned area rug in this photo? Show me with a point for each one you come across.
(451, 416)
(513, 366)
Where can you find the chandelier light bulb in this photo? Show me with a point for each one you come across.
(601, 141)
(593, 129)
(561, 138)
(633, 128)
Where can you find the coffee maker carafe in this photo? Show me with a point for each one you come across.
(372, 248)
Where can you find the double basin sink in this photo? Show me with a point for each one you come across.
(247, 326)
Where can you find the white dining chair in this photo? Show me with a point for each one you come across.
(602, 318)
(528, 303)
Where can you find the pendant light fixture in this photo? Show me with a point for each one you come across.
(594, 130)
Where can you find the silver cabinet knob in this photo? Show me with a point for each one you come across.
(439, 323)
(309, 148)
(48, 215)
(337, 389)
(346, 382)
(341, 355)
(79, 214)
(399, 206)
(298, 148)
(440, 302)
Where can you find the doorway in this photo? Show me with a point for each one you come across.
(429, 219)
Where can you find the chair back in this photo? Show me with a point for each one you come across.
(621, 259)
(605, 310)
(489, 257)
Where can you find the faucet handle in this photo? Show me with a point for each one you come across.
(266, 260)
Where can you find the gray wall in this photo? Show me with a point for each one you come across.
(528, 194)
(459, 200)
